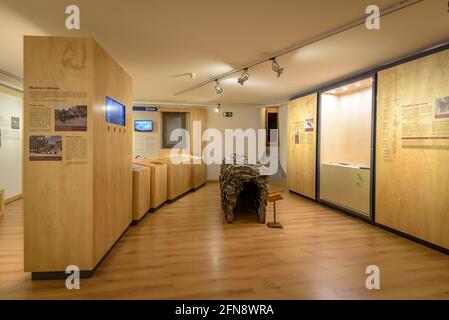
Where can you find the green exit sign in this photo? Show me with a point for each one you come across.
(227, 114)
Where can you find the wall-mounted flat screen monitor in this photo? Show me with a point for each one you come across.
(115, 112)
(143, 125)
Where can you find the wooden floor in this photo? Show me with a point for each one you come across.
(187, 251)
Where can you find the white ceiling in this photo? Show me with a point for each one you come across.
(155, 39)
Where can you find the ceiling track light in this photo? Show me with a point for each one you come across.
(393, 9)
(244, 77)
(218, 87)
(217, 108)
(276, 67)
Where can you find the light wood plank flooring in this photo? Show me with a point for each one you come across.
(187, 251)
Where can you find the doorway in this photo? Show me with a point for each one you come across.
(272, 123)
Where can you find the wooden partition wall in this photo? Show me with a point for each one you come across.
(77, 174)
(301, 145)
(412, 162)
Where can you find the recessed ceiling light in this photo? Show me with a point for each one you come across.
(357, 84)
(345, 88)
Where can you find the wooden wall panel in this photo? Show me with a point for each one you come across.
(301, 154)
(412, 174)
(75, 208)
(58, 207)
(112, 153)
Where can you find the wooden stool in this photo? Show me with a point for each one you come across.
(273, 197)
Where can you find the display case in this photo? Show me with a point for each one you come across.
(345, 146)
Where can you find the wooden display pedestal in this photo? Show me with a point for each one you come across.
(179, 178)
(141, 192)
(77, 166)
(158, 188)
(199, 175)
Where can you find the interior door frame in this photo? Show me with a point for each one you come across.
(274, 109)
(164, 116)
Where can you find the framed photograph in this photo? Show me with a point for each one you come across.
(442, 108)
(45, 148)
(15, 123)
(71, 118)
(308, 125)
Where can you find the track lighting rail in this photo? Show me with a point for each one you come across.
(361, 21)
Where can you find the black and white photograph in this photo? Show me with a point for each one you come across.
(442, 108)
(15, 123)
(71, 118)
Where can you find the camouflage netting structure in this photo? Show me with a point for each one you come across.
(237, 175)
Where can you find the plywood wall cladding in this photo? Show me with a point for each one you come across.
(77, 167)
(412, 174)
(301, 145)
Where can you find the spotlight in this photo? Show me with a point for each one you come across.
(244, 76)
(217, 108)
(218, 88)
(276, 67)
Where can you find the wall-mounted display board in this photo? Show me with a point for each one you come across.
(301, 145)
(412, 157)
(345, 146)
(77, 161)
(145, 142)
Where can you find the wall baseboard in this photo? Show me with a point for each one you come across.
(14, 198)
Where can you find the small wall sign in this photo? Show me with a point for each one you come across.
(227, 114)
(151, 108)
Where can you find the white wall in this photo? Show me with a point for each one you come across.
(11, 142)
(243, 118)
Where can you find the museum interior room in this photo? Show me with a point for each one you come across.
(234, 150)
